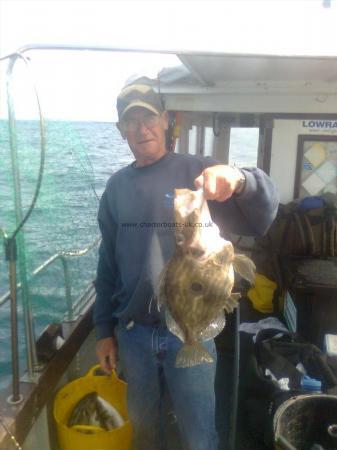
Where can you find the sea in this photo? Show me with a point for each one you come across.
(79, 158)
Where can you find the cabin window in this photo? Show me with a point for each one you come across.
(208, 141)
(192, 140)
(243, 148)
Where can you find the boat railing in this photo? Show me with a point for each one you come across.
(63, 257)
(73, 310)
(15, 243)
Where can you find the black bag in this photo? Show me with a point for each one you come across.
(280, 353)
(302, 228)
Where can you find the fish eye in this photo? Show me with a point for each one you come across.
(197, 252)
(196, 287)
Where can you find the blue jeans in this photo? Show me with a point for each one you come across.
(144, 353)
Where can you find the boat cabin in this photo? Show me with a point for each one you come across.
(292, 103)
(291, 100)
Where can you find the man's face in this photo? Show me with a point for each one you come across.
(145, 133)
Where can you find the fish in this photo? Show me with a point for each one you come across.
(108, 414)
(95, 411)
(196, 284)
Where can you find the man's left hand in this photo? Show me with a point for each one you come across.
(219, 182)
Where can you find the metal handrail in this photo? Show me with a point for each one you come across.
(83, 300)
(11, 245)
(63, 257)
(171, 51)
(11, 242)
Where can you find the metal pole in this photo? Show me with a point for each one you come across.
(11, 256)
(235, 388)
(67, 285)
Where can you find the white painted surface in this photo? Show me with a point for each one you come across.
(263, 102)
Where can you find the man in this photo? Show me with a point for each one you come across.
(135, 247)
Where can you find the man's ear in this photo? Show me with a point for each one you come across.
(120, 128)
(165, 120)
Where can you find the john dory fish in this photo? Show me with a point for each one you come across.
(196, 285)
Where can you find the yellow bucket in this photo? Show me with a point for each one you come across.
(113, 390)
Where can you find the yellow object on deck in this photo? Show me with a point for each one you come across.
(113, 390)
(261, 294)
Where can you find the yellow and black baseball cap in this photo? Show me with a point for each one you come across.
(139, 94)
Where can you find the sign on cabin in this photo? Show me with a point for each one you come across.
(322, 125)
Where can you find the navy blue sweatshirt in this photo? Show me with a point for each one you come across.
(135, 218)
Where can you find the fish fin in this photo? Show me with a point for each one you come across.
(245, 267)
(232, 302)
(160, 290)
(153, 298)
(192, 354)
(214, 328)
(173, 326)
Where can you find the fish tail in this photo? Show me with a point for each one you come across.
(192, 354)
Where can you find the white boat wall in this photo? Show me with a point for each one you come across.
(284, 96)
(292, 100)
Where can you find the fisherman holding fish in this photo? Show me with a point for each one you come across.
(144, 246)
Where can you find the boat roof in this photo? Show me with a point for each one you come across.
(218, 69)
(260, 83)
(238, 82)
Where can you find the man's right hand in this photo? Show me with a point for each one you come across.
(107, 353)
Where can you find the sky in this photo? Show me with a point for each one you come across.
(83, 86)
